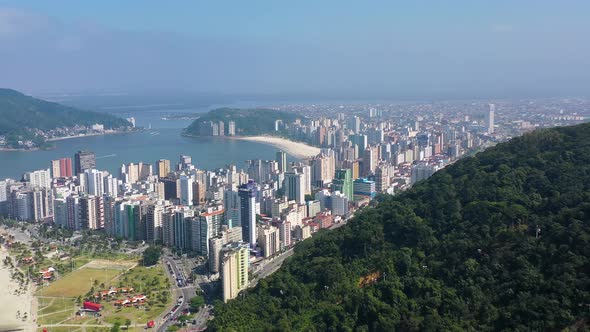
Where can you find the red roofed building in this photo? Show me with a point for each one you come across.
(92, 306)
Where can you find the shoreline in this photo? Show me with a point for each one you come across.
(93, 134)
(296, 149)
(66, 138)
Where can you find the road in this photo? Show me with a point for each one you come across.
(187, 292)
(271, 267)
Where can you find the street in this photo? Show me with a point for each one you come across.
(181, 269)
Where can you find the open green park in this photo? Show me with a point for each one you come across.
(59, 301)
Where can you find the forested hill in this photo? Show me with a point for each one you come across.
(248, 121)
(499, 241)
(19, 112)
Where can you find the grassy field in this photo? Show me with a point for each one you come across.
(55, 318)
(54, 304)
(153, 283)
(78, 282)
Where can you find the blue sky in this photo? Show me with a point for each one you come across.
(387, 49)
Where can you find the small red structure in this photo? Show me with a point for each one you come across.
(92, 306)
(150, 324)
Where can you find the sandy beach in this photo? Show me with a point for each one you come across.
(296, 149)
(11, 303)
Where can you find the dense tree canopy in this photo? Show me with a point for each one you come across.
(151, 255)
(256, 121)
(498, 241)
(19, 112)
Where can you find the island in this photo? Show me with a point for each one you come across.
(28, 123)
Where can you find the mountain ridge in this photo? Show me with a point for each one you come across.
(22, 115)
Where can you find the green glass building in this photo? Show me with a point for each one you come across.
(343, 183)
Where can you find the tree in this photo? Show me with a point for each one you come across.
(151, 255)
(197, 302)
(127, 323)
(116, 327)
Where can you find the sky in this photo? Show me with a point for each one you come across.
(343, 49)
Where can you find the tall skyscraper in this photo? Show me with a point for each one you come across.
(163, 167)
(490, 118)
(343, 183)
(247, 194)
(282, 161)
(84, 160)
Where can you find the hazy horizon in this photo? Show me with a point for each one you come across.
(327, 50)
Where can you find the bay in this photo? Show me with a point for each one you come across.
(162, 141)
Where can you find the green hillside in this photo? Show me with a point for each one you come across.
(256, 121)
(19, 112)
(499, 241)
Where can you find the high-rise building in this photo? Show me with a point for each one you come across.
(94, 182)
(163, 167)
(421, 172)
(203, 227)
(61, 168)
(339, 204)
(369, 161)
(40, 178)
(55, 170)
(381, 179)
(247, 194)
(489, 118)
(234, 269)
(365, 188)
(281, 159)
(343, 183)
(231, 204)
(84, 160)
(186, 190)
(154, 220)
(231, 128)
(185, 162)
(355, 124)
(227, 235)
(322, 168)
(269, 240)
(88, 212)
(294, 183)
